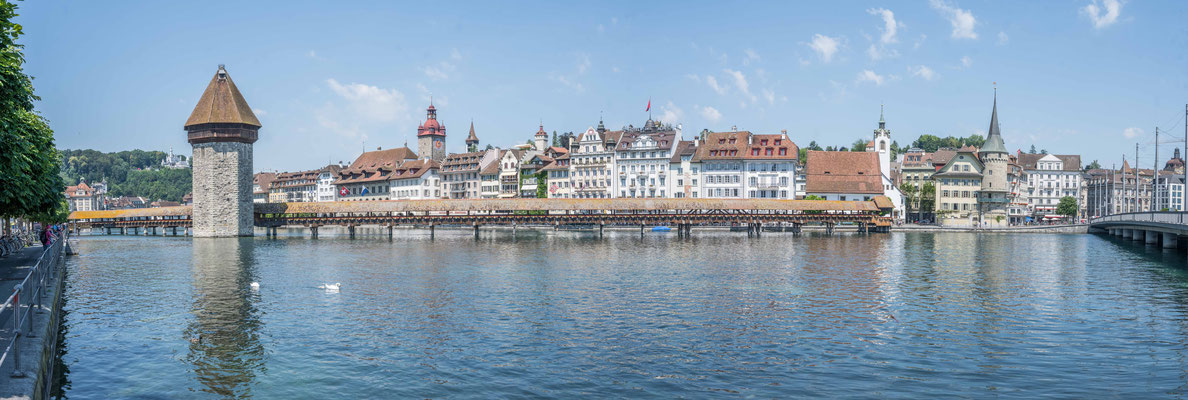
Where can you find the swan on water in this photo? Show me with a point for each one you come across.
(330, 287)
(255, 285)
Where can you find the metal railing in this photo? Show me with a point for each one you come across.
(27, 297)
(1163, 217)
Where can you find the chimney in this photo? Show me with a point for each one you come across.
(785, 133)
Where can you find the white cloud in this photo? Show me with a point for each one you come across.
(371, 102)
(740, 81)
(583, 63)
(877, 52)
(455, 54)
(920, 42)
(871, 76)
(923, 72)
(576, 86)
(825, 46)
(1131, 133)
(966, 62)
(693, 77)
(360, 108)
(751, 55)
(615, 69)
(427, 97)
(963, 21)
(601, 28)
(770, 96)
(671, 114)
(259, 112)
(440, 71)
(712, 115)
(890, 26)
(1003, 38)
(713, 84)
(1102, 13)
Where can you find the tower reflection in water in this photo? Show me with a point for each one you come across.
(225, 350)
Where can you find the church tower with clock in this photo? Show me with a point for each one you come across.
(431, 137)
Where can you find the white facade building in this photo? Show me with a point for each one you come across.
(642, 157)
(1051, 177)
(592, 163)
(416, 180)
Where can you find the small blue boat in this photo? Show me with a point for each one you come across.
(661, 229)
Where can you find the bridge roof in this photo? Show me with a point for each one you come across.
(508, 205)
(565, 204)
(133, 212)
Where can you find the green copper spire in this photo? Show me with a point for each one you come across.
(993, 137)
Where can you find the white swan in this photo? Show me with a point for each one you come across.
(330, 287)
(255, 285)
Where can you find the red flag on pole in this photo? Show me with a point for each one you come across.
(649, 105)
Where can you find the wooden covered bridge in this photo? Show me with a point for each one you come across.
(680, 214)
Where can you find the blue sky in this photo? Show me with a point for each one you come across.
(330, 78)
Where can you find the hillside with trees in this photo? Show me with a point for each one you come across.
(128, 173)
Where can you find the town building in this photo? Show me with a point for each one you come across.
(261, 185)
(1170, 192)
(460, 173)
(367, 177)
(489, 187)
(174, 161)
(128, 202)
(83, 197)
(957, 185)
(1175, 164)
(558, 174)
(740, 164)
(431, 136)
(592, 162)
(509, 173)
(684, 171)
(415, 180)
(841, 175)
(293, 187)
(532, 174)
(1051, 177)
(1018, 202)
(1118, 191)
(642, 157)
(325, 186)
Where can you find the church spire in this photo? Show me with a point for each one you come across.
(994, 142)
(882, 123)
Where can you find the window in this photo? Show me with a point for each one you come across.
(755, 151)
(783, 150)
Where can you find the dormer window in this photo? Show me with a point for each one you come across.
(763, 142)
(721, 141)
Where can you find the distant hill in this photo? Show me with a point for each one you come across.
(128, 173)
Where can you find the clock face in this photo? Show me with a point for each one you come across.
(437, 144)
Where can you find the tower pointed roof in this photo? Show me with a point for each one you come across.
(993, 137)
(471, 137)
(222, 103)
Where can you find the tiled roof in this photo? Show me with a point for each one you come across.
(1072, 162)
(222, 103)
(263, 180)
(664, 138)
(494, 167)
(459, 162)
(683, 148)
(413, 169)
(374, 166)
(843, 172)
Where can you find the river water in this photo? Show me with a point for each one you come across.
(544, 314)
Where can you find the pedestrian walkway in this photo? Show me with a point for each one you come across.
(15, 267)
(38, 341)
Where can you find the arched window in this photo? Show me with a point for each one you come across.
(882, 146)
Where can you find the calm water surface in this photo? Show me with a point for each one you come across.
(905, 315)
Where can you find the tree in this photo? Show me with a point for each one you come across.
(555, 142)
(1032, 151)
(927, 197)
(829, 148)
(813, 197)
(542, 185)
(895, 150)
(1044, 151)
(910, 196)
(1067, 206)
(30, 184)
(858, 145)
(974, 140)
(814, 146)
(1093, 165)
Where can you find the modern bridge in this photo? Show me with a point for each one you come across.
(1162, 228)
(682, 214)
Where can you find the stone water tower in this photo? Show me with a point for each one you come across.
(222, 129)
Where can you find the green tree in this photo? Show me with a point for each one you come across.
(895, 150)
(814, 146)
(555, 142)
(927, 197)
(813, 197)
(1067, 206)
(1093, 165)
(30, 184)
(911, 194)
(975, 140)
(542, 185)
(1044, 151)
(858, 145)
(1032, 151)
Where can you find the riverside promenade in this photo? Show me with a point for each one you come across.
(26, 367)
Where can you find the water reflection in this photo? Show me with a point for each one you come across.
(225, 352)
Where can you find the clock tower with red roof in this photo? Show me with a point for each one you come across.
(431, 136)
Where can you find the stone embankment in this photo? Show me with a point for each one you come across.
(1074, 228)
(38, 342)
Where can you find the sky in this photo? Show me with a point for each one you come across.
(330, 79)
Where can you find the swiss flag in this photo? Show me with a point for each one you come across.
(342, 191)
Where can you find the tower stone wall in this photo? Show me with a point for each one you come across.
(222, 189)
